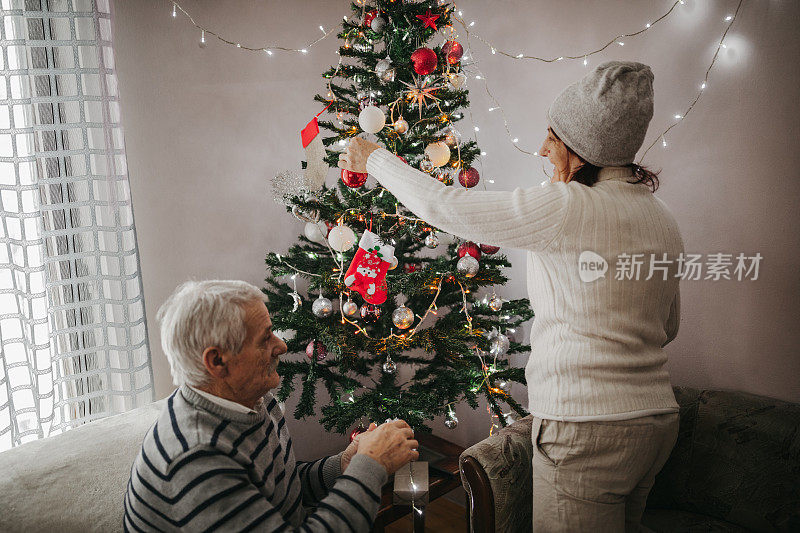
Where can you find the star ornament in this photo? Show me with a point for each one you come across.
(419, 93)
(429, 19)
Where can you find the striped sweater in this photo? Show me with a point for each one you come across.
(596, 346)
(203, 467)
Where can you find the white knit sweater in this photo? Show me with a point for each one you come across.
(596, 347)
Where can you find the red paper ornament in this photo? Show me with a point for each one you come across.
(428, 19)
(369, 16)
(469, 177)
(353, 434)
(424, 60)
(470, 248)
(488, 249)
(370, 312)
(316, 347)
(453, 51)
(354, 179)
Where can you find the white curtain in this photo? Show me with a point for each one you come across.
(72, 325)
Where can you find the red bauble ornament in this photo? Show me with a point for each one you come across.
(411, 267)
(354, 179)
(453, 51)
(488, 249)
(353, 434)
(424, 60)
(469, 177)
(316, 347)
(470, 248)
(369, 16)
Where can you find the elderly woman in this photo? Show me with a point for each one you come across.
(605, 417)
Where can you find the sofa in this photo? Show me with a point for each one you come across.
(735, 467)
(74, 481)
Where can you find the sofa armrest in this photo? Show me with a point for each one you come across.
(496, 474)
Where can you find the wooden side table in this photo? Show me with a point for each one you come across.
(443, 476)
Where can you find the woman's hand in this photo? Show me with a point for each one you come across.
(355, 157)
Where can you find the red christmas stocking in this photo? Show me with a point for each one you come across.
(367, 272)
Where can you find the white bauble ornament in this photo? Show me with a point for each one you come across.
(438, 153)
(457, 80)
(431, 241)
(499, 345)
(314, 233)
(403, 317)
(511, 333)
(401, 126)
(468, 266)
(371, 119)
(341, 238)
(349, 309)
(322, 307)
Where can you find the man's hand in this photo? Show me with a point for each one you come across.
(355, 157)
(391, 444)
(351, 450)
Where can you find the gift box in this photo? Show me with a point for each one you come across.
(405, 491)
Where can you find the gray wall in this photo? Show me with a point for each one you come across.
(206, 129)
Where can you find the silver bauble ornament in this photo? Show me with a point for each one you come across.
(349, 309)
(389, 75)
(347, 397)
(452, 137)
(468, 266)
(403, 317)
(322, 307)
(431, 241)
(426, 165)
(382, 66)
(389, 367)
(304, 214)
(401, 126)
(499, 345)
(495, 304)
(510, 417)
(451, 422)
(378, 24)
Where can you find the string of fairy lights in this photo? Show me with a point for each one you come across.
(470, 66)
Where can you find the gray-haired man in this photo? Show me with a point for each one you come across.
(220, 455)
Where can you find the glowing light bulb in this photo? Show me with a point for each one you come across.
(519, 56)
(477, 128)
(471, 24)
(585, 62)
(174, 10)
(492, 108)
(478, 77)
(663, 141)
(647, 25)
(494, 51)
(621, 43)
(516, 140)
(703, 85)
(678, 116)
(723, 45)
(269, 52)
(729, 17)
(483, 153)
(304, 51)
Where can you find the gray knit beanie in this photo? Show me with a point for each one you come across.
(604, 116)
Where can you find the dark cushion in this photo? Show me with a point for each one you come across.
(668, 521)
(737, 460)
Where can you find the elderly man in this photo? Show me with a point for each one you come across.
(220, 455)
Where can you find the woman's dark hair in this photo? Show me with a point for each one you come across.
(587, 173)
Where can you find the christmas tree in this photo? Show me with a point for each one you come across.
(431, 333)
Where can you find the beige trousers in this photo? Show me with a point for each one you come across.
(595, 476)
